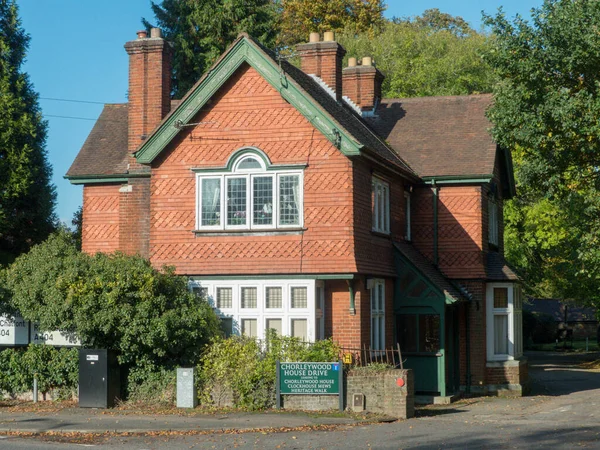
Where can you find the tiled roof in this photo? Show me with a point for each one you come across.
(498, 270)
(556, 309)
(345, 115)
(439, 136)
(430, 271)
(105, 149)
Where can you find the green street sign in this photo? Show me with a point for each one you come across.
(316, 378)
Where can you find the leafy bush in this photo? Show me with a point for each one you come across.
(55, 369)
(245, 368)
(111, 301)
(152, 388)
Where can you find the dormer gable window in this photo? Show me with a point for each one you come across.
(250, 193)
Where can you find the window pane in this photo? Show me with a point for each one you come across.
(501, 334)
(249, 327)
(236, 201)
(407, 332)
(429, 333)
(299, 297)
(500, 297)
(249, 297)
(273, 297)
(227, 326)
(263, 200)
(211, 202)
(224, 298)
(375, 209)
(299, 328)
(289, 200)
(249, 163)
(274, 324)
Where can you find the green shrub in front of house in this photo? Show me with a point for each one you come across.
(113, 301)
(242, 371)
(56, 369)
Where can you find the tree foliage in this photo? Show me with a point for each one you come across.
(298, 18)
(27, 197)
(201, 30)
(111, 301)
(422, 57)
(546, 110)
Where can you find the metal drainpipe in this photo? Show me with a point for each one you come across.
(468, 346)
(435, 222)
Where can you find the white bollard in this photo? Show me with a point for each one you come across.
(35, 388)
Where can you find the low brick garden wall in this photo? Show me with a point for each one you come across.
(389, 392)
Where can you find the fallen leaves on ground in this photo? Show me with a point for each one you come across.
(590, 365)
(95, 438)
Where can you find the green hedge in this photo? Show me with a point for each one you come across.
(56, 369)
(245, 368)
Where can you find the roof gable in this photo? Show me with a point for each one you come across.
(285, 80)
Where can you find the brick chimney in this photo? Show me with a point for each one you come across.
(362, 83)
(149, 84)
(323, 59)
(149, 102)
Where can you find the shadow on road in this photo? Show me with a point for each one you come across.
(554, 373)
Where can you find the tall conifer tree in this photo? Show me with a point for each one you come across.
(201, 30)
(27, 197)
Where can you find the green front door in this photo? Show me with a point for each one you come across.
(419, 331)
(425, 329)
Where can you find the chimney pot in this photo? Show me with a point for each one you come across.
(155, 33)
(142, 34)
(351, 62)
(314, 37)
(367, 61)
(328, 36)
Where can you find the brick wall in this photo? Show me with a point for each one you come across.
(374, 251)
(100, 229)
(248, 111)
(382, 393)
(478, 349)
(508, 378)
(134, 217)
(460, 230)
(354, 331)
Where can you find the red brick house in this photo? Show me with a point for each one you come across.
(300, 200)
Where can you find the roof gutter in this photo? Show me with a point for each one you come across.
(457, 179)
(96, 179)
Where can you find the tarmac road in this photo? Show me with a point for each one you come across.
(563, 412)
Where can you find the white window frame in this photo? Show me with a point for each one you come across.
(376, 286)
(407, 229)
(493, 223)
(261, 313)
(514, 319)
(249, 175)
(381, 212)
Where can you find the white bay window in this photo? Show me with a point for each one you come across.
(252, 195)
(504, 321)
(291, 307)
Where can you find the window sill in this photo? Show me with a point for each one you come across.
(506, 363)
(259, 232)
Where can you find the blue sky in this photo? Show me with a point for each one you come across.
(76, 53)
